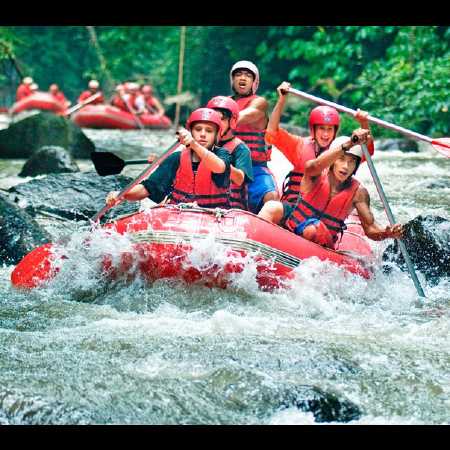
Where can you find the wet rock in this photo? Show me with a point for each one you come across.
(246, 391)
(23, 138)
(49, 159)
(404, 145)
(74, 196)
(442, 183)
(19, 232)
(427, 239)
(325, 406)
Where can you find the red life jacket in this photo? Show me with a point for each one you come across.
(238, 194)
(199, 187)
(253, 137)
(291, 184)
(118, 102)
(86, 94)
(23, 91)
(317, 203)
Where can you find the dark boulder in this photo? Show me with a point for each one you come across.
(49, 159)
(427, 240)
(19, 232)
(23, 138)
(404, 145)
(440, 183)
(74, 196)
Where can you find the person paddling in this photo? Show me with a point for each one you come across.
(59, 95)
(199, 173)
(323, 124)
(241, 172)
(251, 127)
(93, 88)
(328, 194)
(117, 99)
(24, 89)
(152, 104)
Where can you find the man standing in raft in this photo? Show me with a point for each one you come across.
(251, 127)
(328, 193)
(200, 172)
(241, 172)
(324, 124)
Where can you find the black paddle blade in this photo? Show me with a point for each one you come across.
(107, 163)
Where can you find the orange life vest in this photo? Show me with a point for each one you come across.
(238, 194)
(253, 137)
(199, 187)
(291, 184)
(317, 204)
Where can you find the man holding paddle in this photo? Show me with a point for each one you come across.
(251, 128)
(328, 194)
(93, 88)
(323, 124)
(199, 173)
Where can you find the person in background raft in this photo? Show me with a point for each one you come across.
(93, 88)
(24, 89)
(117, 99)
(199, 173)
(152, 104)
(328, 194)
(34, 88)
(59, 95)
(133, 99)
(251, 127)
(324, 124)
(241, 172)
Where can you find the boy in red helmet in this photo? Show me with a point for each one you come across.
(241, 172)
(199, 173)
(251, 127)
(328, 194)
(24, 89)
(324, 123)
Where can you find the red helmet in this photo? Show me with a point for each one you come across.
(205, 115)
(227, 103)
(323, 115)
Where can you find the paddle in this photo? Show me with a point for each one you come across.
(442, 145)
(391, 219)
(135, 117)
(36, 267)
(81, 104)
(147, 171)
(107, 163)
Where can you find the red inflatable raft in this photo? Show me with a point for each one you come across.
(39, 100)
(107, 116)
(164, 239)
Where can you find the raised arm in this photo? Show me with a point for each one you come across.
(275, 117)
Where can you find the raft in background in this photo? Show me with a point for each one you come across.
(107, 116)
(39, 100)
(164, 238)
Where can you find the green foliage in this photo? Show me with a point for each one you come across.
(396, 73)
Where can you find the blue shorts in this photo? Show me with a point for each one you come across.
(263, 182)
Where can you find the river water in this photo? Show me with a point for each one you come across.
(80, 352)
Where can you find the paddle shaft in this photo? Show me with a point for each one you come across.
(391, 219)
(83, 103)
(372, 119)
(142, 176)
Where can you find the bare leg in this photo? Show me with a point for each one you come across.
(310, 233)
(272, 211)
(273, 195)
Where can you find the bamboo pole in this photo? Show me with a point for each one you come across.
(101, 57)
(180, 73)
